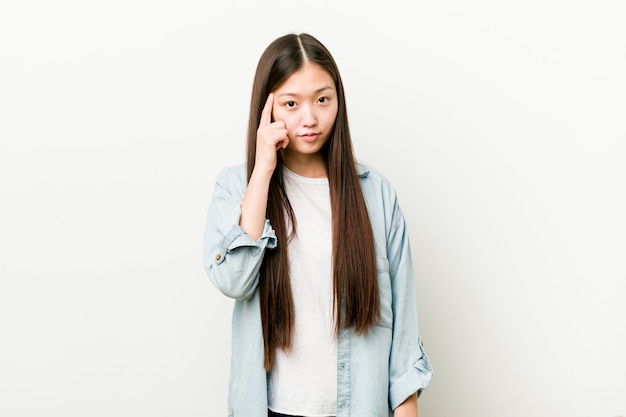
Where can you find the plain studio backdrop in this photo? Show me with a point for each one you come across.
(501, 125)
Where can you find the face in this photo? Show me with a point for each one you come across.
(307, 103)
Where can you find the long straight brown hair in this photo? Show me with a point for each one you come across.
(356, 300)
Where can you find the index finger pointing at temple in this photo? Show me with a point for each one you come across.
(266, 114)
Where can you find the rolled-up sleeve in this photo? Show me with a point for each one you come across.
(231, 258)
(410, 370)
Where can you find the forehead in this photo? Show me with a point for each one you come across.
(309, 79)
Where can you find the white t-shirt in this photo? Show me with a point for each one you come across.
(303, 381)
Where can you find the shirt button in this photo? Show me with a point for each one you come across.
(218, 257)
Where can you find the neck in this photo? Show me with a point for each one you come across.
(312, 166)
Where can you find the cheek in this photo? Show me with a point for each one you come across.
(279, 114)
(284, 117)
(331, 117)
(291, 129)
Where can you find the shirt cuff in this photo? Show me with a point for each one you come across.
(236, 237)
(414, 380)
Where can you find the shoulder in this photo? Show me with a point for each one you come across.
(234, 174)
(380, 197)
(231, 180)
(373, 181)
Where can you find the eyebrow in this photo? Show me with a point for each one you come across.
(319, 90)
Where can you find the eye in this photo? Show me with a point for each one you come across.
(290, 104)
(323, 100)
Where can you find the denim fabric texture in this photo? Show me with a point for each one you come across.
(375, 372)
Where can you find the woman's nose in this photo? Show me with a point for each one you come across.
(309, 118)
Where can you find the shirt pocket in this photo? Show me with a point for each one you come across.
(384, 292)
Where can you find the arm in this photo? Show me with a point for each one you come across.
(232, 258)
(409, 367)
(270, 138)
(237, 232)
(408, 408)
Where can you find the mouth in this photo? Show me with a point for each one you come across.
(309, 137)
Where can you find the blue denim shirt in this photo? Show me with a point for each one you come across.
(375, 372)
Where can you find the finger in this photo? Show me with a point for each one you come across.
(282, 144)
(266, 114)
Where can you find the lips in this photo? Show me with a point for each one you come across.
(309, 137)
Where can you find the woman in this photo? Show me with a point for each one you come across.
(314, 248)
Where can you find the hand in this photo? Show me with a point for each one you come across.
(270, 137)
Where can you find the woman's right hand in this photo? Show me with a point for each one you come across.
(270, 137)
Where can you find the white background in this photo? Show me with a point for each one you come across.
(501, 125)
